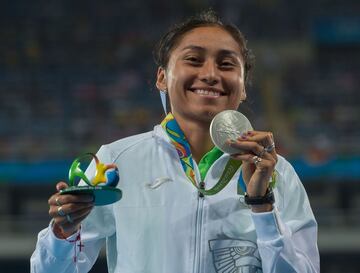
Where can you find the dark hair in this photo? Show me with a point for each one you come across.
(209, 17)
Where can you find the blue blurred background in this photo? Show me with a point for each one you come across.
(77, 74)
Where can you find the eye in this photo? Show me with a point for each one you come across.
(227, 63)
(194, 60)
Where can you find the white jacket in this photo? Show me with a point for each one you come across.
(161, 225)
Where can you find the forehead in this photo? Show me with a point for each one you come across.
(209, 38)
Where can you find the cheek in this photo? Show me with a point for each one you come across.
(173, 78)
(180, 80)
(237, 85)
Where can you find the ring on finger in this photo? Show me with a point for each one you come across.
(270, 147)
(69, 219)
(58, 202)
(263, 151)
(61, 211)
(256, 159)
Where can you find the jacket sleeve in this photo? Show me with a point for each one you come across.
(57, 255)
(287, 236)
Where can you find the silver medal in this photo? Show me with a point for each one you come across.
(228, 125)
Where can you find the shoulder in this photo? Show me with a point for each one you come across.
(284, 167)
(127, 142)
(136, 144)
(287, 180)
(291, 198)
(121, 146)
(288, 184)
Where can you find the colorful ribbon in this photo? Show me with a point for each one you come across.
(182, 147)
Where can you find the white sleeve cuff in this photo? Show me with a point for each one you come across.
(266, 225)
(60, 248)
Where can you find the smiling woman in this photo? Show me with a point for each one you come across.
(203, 76)
(260, 222)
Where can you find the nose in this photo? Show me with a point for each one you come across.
(209, 73)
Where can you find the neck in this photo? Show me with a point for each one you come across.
(198, 135)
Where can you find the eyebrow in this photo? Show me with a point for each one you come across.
(222, 51)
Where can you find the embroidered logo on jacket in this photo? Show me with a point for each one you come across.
(235, 256)
(158, 182)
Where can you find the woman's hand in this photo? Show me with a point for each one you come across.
(259, 159)
(68, 211)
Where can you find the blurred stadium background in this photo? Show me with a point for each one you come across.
(77, 74)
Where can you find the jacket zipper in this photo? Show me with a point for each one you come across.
(198, 229)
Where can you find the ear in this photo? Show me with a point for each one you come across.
(161, 79)
(243, 95)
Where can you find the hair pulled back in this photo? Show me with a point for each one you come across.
(209, 17)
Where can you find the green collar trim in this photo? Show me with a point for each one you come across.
(207, 160)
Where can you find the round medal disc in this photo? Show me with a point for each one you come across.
(228, 125)
(103, 195)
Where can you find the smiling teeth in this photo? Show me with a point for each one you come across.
(207, 93)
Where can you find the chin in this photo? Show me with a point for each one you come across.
(202, 114)
(206, 116)
(212, 114)
(213, 111)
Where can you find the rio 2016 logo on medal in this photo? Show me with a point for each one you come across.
(228, 125)
(102, 186)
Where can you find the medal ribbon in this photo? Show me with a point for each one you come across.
(182, 147)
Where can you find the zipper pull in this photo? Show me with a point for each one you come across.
(201, 186)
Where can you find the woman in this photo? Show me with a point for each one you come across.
(163, 223)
